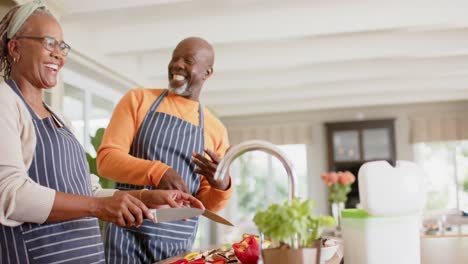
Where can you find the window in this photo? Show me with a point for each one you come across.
(88, 103)
(346, 145)
(87, 112)
(73, 109)
(351, 144)
(446, 167)
(101, 111)
(259, 179)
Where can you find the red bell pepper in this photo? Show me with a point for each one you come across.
(180, 261)
(218, 261)
(247, 251)
(198, 261)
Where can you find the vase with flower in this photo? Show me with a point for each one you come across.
(339, 185)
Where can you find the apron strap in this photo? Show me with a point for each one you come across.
(55, 117)
(158, 101)
(15, 88)
(200, 117)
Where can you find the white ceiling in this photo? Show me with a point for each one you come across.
(91, 6)
(280, 56)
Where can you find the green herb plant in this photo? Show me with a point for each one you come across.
(105, 183)
(465, 184)
(96, 142)
(292, 221)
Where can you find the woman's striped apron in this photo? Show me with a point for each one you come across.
(170, 140)
(59, 163)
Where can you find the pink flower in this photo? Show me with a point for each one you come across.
(352, 177)
(333, 176)
(324, 176)
(330, 178)
(342, 177)
(347, 178)
(343, 180)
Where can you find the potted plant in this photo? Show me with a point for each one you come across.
(339, 184)
(295, 233)
(105, 183)
(96, 142)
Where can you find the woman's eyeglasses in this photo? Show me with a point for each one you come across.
(50, 43)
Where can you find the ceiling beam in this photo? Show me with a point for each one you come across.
(286, 54)
(363, 41)
(332, 72)
(93, 6)
(307, 104)
(345, 89)
(285, 23)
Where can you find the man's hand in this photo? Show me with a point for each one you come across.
(122, 209)
(173, 198)
(171, 180)
(207, 168)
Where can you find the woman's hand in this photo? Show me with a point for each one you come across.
(171, 198)
(122, 209)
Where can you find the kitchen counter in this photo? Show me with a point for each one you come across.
(435, 249)
(448, 248)
(336, 259)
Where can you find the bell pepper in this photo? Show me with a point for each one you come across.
(191, 256)
(218, 261)
(198, 261)
(180, 261)
(247, 251)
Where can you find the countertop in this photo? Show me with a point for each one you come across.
(336, 259)
(448, 248)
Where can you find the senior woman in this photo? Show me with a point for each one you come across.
(48, 202)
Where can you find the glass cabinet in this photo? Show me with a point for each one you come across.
(351, 144)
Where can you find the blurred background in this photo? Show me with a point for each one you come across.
(334, 83)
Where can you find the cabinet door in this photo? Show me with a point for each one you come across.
(351, 144)
(346, 145)
(376, 144)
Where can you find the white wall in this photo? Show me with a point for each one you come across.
(317, 159)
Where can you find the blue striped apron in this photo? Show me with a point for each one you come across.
(59, 163)
(170, 140)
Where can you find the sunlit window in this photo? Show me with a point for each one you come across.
(446, 165)
(259, 179)
(99, 116)
(73, 109)
(87, 111)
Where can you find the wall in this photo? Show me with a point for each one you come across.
(317, 161)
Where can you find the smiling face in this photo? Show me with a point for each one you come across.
(35, 63)
(191, 64)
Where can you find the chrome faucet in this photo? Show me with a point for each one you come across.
(237, 150)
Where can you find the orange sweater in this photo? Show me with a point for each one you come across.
(115, 162)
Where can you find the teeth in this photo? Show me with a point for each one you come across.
(52, 66)
(178, 77)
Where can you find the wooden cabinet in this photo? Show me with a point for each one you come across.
(351, 144)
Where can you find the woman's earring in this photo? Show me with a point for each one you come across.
(14, 60)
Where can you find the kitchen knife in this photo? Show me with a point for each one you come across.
(172, 214)
(212, 216)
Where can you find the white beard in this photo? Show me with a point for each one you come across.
(181, 90)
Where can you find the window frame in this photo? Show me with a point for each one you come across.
(90, 88)
(215, 232)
